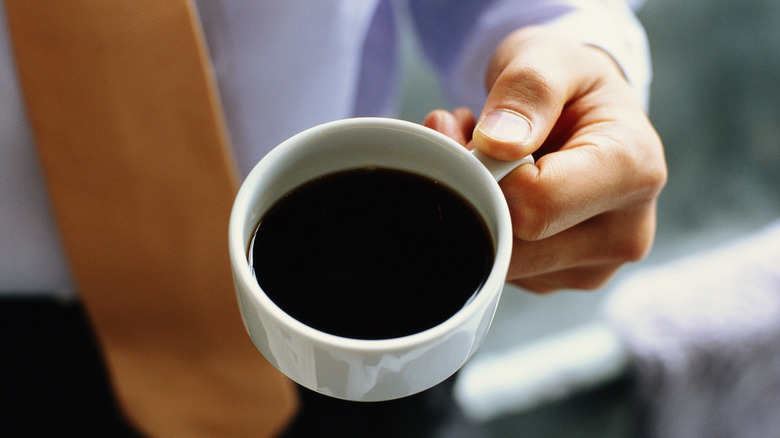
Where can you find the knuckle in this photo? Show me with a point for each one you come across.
(529, 218)
(529, 83)
(652, 180)
(650, 165)
(633, 248)
(656, 180)
(532, 207)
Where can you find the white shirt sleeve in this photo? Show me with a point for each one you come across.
(608, 24)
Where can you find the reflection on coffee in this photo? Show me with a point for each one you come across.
(371, 253)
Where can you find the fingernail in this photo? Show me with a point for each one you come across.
(505, 126)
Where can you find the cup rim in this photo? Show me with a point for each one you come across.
(242, 272)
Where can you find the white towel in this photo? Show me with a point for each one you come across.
(541, 372)
(703, 338)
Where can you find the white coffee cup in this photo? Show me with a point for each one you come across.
(359, 369)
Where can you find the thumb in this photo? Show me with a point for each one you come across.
(505, 134)
(529, 82)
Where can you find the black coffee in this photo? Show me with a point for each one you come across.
(371, 253)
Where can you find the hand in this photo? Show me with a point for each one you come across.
(588, 204)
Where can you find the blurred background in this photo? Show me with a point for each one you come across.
(715, 102)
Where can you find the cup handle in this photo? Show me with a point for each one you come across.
(498, 168)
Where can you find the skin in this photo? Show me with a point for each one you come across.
(588, 204)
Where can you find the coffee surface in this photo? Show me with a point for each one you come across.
(371, 253)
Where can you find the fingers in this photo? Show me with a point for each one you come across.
(616, 236)
(458, 124)
(570, 186)
(465, 119)
(584, 256)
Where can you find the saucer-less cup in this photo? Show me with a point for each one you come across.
(359, 369)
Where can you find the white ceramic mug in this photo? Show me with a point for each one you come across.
(359, 369)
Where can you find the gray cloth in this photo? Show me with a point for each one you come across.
(703, 336)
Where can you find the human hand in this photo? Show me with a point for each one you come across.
(588, 204)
